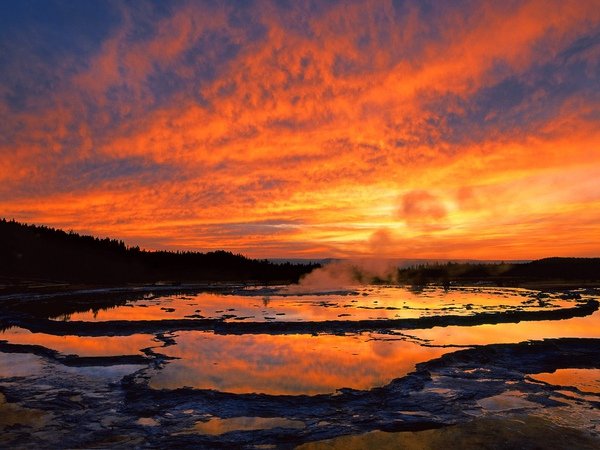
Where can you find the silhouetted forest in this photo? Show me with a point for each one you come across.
(559, 269)
(33, 252)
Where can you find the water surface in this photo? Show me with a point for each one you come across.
(357, 303)
(81, 345)
(503, 333)
(586, 380)
(216, 426)
(287, 364)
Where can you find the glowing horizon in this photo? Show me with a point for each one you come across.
(307, 129)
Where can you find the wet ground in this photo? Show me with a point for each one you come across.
(274, 368)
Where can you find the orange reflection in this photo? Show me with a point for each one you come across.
(583, 327)
(303, 303)
(586, 380)
(82, 346)
(216, 426)
(292, 364)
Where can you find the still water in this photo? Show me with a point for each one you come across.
(359, 302)
(288, 364)
(309, 364)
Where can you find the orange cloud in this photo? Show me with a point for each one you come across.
(277, 131)
(422, 209)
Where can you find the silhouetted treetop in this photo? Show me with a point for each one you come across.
(40, 252)
(585, 269)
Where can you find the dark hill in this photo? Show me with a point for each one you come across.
(29, 252)
(559, 268)
(547, 269)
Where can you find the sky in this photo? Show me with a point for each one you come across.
(406, 129)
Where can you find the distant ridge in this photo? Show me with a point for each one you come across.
(35, 252)
(547, 269)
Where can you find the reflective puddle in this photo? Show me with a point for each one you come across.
(506, 401)
(19, 365)
(287, 364)
(356, 304)
(582, 327)
(216, 426)
(82, 346)
(586, 380)
(104, 374)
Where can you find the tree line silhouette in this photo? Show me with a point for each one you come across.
(35, 252)
(547, 269)
(32, 252)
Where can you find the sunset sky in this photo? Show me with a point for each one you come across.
(411, 129)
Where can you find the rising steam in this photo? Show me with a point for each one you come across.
(345, 274)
